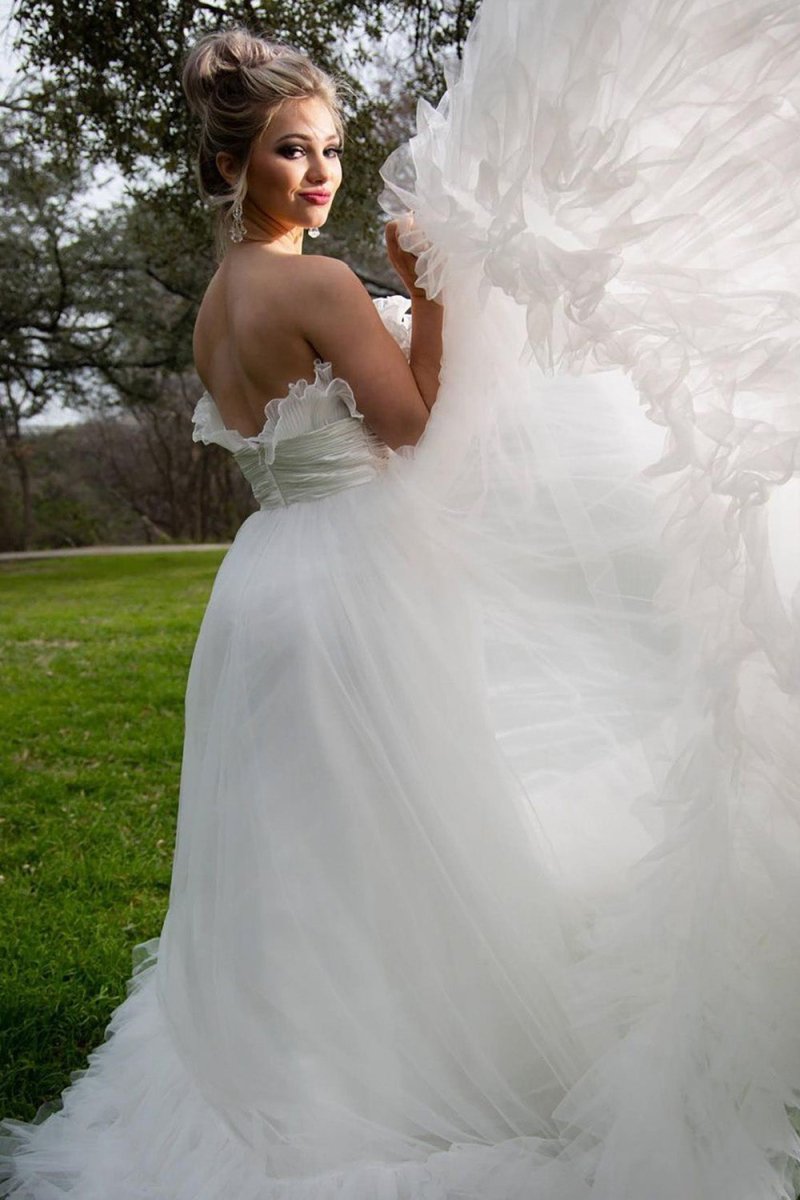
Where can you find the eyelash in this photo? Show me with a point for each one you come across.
(286, 150)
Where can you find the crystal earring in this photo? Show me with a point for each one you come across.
(237, 230)
(313, 232)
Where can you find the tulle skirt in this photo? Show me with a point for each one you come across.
(411, 788)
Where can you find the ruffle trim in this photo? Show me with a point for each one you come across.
(285, 416)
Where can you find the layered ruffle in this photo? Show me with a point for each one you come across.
(307, 405)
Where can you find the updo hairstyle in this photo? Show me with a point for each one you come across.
(234, 82)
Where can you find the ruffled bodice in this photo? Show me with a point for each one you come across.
(314, 441)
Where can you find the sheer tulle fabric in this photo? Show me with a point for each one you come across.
(486, 872)
(616, 187)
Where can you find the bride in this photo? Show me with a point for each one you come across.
(485, 880)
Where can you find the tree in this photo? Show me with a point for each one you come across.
(146, 461)
(126, 478)
(48, 338)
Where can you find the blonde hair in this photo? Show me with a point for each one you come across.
(234, 81)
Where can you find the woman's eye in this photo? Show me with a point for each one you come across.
(293, 151)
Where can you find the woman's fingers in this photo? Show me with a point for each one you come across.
(402, 260)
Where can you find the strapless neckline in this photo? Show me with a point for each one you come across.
(313, 442)
(323, 378)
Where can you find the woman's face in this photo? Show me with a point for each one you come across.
(294, 169)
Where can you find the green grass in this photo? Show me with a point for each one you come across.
(94, 654)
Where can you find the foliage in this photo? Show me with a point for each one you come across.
(50, 325)
(86, 295)
(96, 307)
(96, 652)
(48, 333)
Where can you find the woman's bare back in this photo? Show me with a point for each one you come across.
(248, 342)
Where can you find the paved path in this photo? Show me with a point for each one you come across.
(170, 548)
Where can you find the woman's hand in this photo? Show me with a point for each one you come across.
(403, 262)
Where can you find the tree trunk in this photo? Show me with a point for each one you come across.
(19, 455)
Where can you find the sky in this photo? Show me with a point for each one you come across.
(7, 57)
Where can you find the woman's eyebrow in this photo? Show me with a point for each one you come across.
(332, 137)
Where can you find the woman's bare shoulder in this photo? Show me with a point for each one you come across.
(332, 275)
(311, 295)
(291, 284)
(303, 267)
(332, 290)
(327, 277)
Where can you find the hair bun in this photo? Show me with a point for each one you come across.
(219, 58)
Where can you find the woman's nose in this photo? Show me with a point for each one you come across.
(318, 169)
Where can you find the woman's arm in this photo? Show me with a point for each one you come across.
(426, 320)
(344, 328)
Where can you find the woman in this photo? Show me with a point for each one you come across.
(469, 895)
(269, 310)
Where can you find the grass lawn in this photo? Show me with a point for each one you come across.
(94, 654)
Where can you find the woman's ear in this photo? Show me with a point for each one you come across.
(227, 166)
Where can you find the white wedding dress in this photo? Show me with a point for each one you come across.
(487, 873)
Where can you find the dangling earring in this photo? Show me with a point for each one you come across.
(237, 230)
(313, 232)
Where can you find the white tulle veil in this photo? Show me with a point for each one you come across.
(607, 203)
